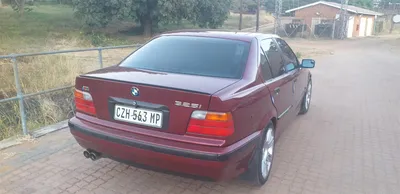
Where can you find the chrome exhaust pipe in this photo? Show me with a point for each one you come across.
(94, 155)
(86, 154)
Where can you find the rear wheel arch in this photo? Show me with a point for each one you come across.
(274, 122)
(271, 116)
(252, 173)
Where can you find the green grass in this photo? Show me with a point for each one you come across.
(47, 27)
(37, 28)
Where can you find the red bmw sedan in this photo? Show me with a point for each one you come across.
(204, 103)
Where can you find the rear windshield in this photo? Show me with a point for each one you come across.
(201, 56)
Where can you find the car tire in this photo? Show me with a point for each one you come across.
(306, 102)
(262, 160)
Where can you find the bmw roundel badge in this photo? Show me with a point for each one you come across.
(135, 91)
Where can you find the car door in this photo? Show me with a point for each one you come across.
(280, 85)
(292, 64)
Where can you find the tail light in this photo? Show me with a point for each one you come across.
(211, 124)
(84, 102)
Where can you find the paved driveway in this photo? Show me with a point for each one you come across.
(349, 142)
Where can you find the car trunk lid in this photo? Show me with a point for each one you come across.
(174, 96)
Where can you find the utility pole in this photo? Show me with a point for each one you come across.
(391, 24)
(278, 11)
(241, 14)
(346, 19)
(258, 15)
(343, 18)
(392, 19)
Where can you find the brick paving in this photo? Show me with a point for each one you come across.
(349, 142)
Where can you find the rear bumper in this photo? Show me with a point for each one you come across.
(215, 163)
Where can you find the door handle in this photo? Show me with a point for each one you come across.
(295, 80)
(277, 90)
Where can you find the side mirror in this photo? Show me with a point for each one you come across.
(307, 63)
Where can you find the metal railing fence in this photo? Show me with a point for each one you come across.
(21, 95)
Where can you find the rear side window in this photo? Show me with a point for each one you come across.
(212, 57)
(274, 57)
(265, 67)
(289, 55)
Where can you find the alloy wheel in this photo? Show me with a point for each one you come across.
(308, 96)
(267, 152)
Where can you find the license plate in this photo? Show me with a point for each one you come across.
(138, 116)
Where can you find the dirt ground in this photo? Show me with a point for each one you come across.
(347, 143)
(314, 48)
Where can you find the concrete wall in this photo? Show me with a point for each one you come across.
(324, 11)
(357, 22)
(328, 12)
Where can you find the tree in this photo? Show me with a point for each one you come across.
(368, 4)
(150, 13)
(286, 4)
(209, 13)
(249, 6)
(18, 6)
(393, 5)
(390, 8)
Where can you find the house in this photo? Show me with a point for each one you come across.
(360, 22)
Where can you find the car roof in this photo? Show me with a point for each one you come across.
(243, 36)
